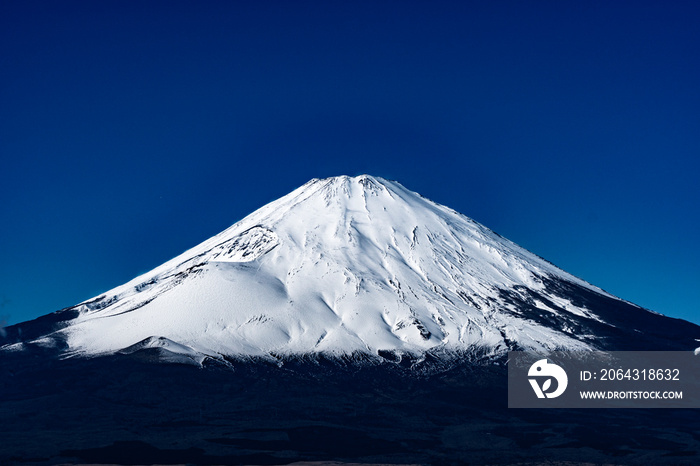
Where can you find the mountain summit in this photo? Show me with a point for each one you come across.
(346, 266)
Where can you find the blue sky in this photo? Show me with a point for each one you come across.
(131, 131)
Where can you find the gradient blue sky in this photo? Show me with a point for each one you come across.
(131, 131)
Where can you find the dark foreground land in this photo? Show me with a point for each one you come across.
(127, 410)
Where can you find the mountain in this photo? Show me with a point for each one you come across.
(352, 322)
(351, 267)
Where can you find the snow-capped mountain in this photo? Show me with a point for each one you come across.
(352, 265)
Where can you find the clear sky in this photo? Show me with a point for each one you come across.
(133, 130)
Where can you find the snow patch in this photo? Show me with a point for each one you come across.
(170, 351)
(45, 342)
(246, 247)
(13, 347)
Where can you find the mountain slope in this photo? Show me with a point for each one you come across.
(344, 266)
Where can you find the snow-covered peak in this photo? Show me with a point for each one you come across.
(342, 265)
